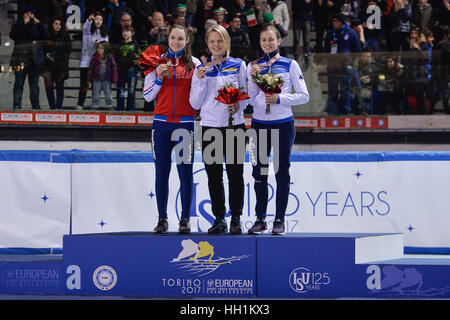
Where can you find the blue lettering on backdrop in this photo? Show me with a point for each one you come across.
(349, 196)
(202, 208)
(325, 202)
(387, 204)
(329, 203)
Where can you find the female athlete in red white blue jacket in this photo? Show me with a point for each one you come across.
(172, 111)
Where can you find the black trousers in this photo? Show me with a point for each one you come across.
(234, 168)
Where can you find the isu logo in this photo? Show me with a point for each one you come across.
(303, 280)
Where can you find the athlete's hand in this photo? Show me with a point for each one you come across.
(233, 108)
(271, 98)
(201, 72)
(161, 70)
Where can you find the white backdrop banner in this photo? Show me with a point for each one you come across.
(331, 192)
(44, 195)
(34, 200)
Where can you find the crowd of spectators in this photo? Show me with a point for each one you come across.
(392, 63)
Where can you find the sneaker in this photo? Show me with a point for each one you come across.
(162, 227)
(278, 227)
(259, 227)
(219, 226)
(185, 226)
(235, 225)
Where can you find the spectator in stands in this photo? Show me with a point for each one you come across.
(321, 20)
(389, 86)
(367, 73)
(115, 37)
(423, 16)
(180, 18)
(219, 16)
(159, 33)
(94, 30)
(102, 73)
(143, 11)
(240, 41)
(57, 50)
(181, 9)
(239, 7)
(115, 20)
(415, 39)
(348, 8)
(44, 10)
(340, 42)
(357, 26)
(27, 57)
(302, 18)
(414, 68)
(128, 73)
(398, 25)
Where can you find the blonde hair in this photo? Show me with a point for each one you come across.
(223, 33)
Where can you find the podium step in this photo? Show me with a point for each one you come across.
(198, 265)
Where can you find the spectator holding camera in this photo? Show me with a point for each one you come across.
(27, 58)
(159, 33)
(94, 30)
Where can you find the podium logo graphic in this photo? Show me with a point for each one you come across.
(104, 277)
(199, 258)
(303, 280)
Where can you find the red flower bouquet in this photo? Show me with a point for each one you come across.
(150, 59)
(268, 83)
(229, 94)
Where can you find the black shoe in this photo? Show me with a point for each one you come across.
(219, 226)
(185, 226)
(162, 227)
(259, 227)
(235, 225)
(278, 227)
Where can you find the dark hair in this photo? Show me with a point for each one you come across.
(235, 16)
(103, 30)
(63, 30)
(187, 54)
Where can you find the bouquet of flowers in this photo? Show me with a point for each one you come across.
(150, 58)
(229, 94)
(268, 83)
